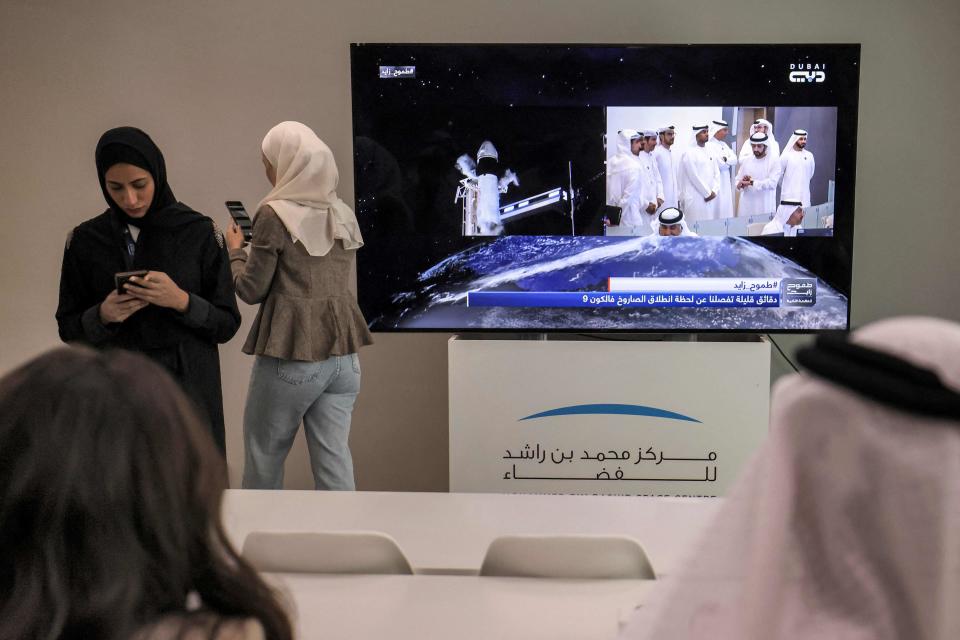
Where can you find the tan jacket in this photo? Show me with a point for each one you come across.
(308, 304)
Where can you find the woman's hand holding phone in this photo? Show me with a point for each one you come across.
(158, 288)
(117, 307)
(234, 236)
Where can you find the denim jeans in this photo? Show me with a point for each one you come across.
(282, 394)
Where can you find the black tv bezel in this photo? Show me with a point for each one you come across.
(847, 115)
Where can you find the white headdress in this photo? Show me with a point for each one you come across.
(797, 134)
(669, 217)
(697, 128)
(716, 125)
(305, 195)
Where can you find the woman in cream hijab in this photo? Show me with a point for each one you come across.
(845, 526)
(301, 269)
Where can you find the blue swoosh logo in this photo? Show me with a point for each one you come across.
(611, 410)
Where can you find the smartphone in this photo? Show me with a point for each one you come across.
(239, 215)
(121, 278)
(612, 213)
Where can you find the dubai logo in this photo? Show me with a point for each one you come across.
(807, 72)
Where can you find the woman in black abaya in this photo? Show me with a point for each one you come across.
(183, 307)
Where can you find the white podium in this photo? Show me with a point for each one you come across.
(615, 417)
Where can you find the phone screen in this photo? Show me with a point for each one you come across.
(239, 214)
(121, 278)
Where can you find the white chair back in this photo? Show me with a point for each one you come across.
(369, 552)
(755, 228)
(567, 556)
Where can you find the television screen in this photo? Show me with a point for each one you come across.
(593, 188)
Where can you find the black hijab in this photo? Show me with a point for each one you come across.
(133, 146)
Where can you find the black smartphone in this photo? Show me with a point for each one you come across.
(121, 278)
(239, 215)
(612, 213)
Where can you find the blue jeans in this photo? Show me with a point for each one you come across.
(282, 394)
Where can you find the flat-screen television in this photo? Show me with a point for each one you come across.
(595, 188)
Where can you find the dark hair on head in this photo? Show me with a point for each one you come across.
(110, 492)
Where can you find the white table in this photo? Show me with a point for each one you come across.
(462, 607)
(450, 532)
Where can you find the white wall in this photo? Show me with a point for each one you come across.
(207, 79)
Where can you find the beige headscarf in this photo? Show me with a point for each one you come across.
(846, 524)
(305, 196)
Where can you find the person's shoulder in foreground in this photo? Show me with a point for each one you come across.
(844, 524)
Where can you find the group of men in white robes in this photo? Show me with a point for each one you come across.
(756, 171)
(647, 176)
(634, 181)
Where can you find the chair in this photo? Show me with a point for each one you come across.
(826, 210)
(711, 227)
(325, 552)
(626, 230)
(812, 217)
(567, 556)
(736, 226)
(755, 228)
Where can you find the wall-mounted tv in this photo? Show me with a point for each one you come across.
(595, 188)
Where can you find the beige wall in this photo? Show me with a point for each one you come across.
(207, 79)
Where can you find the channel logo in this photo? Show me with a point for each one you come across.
(807, 72)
